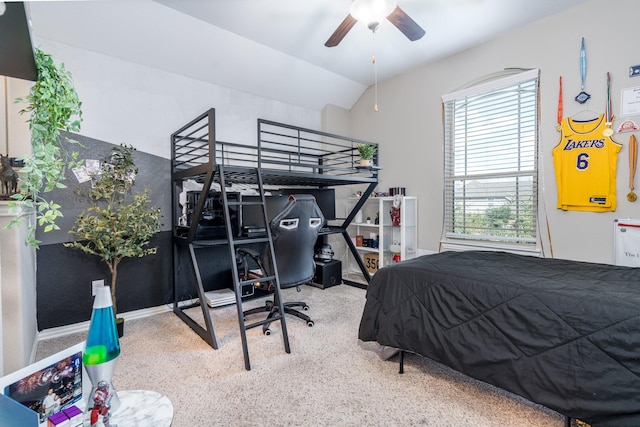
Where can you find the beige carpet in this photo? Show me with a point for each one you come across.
(328, 379)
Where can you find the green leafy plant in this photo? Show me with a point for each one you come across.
(367, 151)
(118, 224)
(53, 105)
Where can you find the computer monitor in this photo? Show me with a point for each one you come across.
(252, 215)
(325, 198)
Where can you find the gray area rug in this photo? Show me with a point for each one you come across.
(330, 378)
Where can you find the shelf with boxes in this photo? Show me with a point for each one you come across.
(384, 231)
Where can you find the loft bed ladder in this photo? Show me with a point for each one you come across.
(240, 283)
(196, 158)
(207, 333)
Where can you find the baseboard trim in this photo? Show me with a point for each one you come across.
(84, 326)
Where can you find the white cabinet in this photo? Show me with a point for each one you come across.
(378, 239)
(17, 293)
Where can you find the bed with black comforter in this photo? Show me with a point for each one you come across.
(560, 333)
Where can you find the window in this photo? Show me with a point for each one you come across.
(491, 139)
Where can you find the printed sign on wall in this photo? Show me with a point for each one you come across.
(626, 242)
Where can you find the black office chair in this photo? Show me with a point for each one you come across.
(294, 232)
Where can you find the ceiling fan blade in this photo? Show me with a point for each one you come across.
(341, 31)
(405, 24)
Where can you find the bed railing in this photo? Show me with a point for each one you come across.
(280, 147)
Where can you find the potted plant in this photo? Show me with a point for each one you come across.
(367, 152)
(53, 104)
(118, 224)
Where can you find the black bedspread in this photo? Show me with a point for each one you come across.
(564, 334)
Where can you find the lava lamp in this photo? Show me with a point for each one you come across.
(102, 348)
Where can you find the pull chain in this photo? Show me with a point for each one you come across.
(375, 74)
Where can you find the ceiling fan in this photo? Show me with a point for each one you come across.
(371, 12)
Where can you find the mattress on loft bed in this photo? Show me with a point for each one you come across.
(560, 333)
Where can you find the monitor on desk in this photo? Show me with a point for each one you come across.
(252, 215)
(325, 198)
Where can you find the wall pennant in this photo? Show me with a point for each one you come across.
(627, 126)
(608, 110)
(583, 96)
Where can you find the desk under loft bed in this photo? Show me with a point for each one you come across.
(285, 156)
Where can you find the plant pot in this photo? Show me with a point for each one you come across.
(365, 162)
(120, 326)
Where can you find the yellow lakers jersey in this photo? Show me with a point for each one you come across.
(585, 162)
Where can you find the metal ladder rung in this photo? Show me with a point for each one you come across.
(238, 283)
(262, 322)
(261, 279)
(208, 243)
(249, 241)
(245, 203)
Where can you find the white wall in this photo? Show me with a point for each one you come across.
(124, 102)
(18, 293)
(17, 260)
(409, 123)
(335, 120)
(15, 139)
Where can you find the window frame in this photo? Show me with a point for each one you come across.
(485, 86)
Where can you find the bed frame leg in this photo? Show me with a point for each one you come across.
(401, 362)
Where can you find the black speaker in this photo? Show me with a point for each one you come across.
(327, 274)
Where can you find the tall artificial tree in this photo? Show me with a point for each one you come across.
(118, 224)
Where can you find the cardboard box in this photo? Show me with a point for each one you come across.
(371, 262)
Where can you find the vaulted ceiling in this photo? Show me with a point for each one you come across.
(275, 48)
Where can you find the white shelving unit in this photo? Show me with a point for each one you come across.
(404, 236)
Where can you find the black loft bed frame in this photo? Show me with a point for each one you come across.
(284, 156)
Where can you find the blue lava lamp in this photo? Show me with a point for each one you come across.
(102, 348)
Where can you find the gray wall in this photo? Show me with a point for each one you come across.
(64, 275)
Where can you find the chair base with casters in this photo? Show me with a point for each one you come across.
(270, 306)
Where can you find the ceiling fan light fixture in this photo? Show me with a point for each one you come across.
(372, 12)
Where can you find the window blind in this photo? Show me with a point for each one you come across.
(491, 140)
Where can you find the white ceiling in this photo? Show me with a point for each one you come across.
(275, 48)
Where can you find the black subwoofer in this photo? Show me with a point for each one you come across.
(328, 274)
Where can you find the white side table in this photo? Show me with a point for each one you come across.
(142, 408)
